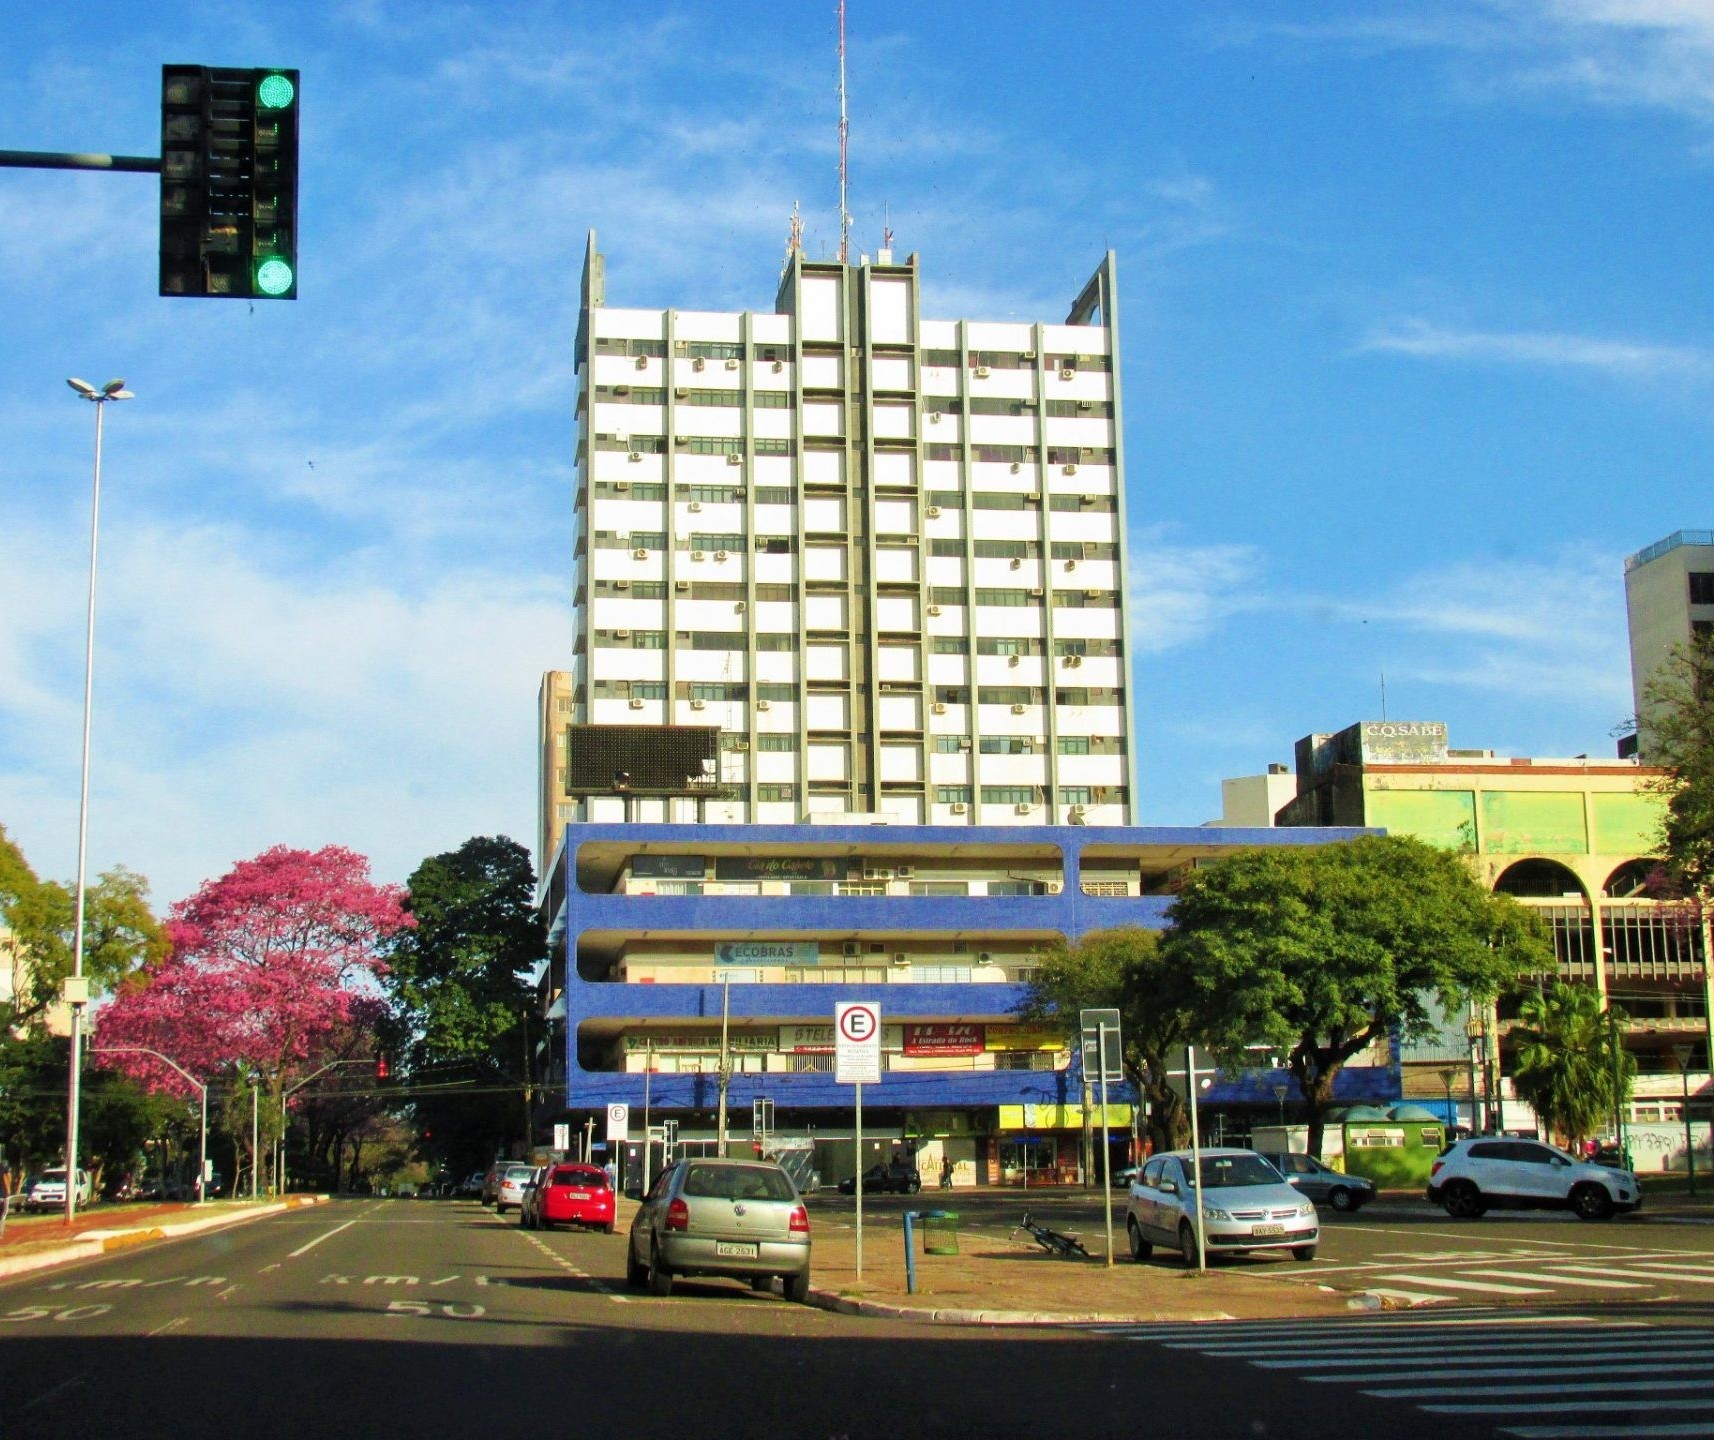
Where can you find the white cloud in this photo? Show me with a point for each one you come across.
(1550, 629)
(1426, 340)
(1182, 593)
(246, 696)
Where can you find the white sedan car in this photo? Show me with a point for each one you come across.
(1246, 1205)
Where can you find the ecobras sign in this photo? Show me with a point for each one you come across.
(768, 952)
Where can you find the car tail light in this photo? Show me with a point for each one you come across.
(1434, 1169)
(799, 1222)
(678, 1216)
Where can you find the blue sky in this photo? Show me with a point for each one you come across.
(1418, 345)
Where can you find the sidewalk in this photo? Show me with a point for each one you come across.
(42, 1244)
(996, 1281)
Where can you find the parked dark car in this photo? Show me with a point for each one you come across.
(898, 1177)
(1321, 1183)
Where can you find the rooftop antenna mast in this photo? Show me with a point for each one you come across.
(794, 238)
(844, 176)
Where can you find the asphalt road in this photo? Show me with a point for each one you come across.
(436, 1318)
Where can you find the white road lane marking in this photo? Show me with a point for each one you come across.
(57, 1390)
(1572, 1407)
(305, 1249)
(1594, 1387)
(1696, 1431)
(172, 1324)
(1483, 1287)
(1557, 1279)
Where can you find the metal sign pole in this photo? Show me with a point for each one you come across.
(1195, 1156)
(858, 1146)
(1106, 1150)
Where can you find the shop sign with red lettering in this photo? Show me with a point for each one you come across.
(949, 1039)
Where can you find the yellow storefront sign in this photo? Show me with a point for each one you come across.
(1026, 1037)
(1061, 1117)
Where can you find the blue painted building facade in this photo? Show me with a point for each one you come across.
(1100, 877)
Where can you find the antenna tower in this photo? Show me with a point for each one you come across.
(844, 175)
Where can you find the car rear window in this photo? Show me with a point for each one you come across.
(737, 1183)
(587, 1179)
(517, 1172)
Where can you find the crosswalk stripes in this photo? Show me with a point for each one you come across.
(1545, 1376)
(1451, 1275)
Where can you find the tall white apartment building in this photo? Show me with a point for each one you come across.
(1669, 596)
(883, 554)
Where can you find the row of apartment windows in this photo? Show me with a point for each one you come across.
(1023, 645)
(1026, 745)
(1022, 454)
(734, 350)
(697, 444)
(1702, 587)
(1029, 695)
(953, 549)
(700, 494)
(694, 395)
(1014, 360)
(1030, 795)
(1004, 405)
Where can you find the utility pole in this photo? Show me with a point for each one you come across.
(725, 1064)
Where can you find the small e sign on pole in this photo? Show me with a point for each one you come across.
(857, 1062)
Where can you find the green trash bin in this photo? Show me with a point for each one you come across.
(940, 1233)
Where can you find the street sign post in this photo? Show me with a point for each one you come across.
(857, 1062)
(619, 1123)
(562, 1138)
(1103, 1052)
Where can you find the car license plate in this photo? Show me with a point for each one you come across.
(577, 1195)
(733, 1250)
(1267, 1229)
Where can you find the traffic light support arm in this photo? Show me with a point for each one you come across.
(55, 160)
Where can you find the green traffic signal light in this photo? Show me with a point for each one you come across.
(275, 92)
(274, 276)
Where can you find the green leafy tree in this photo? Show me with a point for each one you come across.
(1566, 1060)
(1679, 730)
(1319, 951)
(121, 933)
(1123, 968)
(459, 982)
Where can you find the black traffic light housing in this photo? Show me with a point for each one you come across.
(229, 182)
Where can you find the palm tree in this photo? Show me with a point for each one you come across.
(1566, 1060)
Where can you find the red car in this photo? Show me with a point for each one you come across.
(571, 1195)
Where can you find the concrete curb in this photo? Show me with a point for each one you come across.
(94, 1243)
(882, 1310)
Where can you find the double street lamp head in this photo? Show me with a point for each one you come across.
(112, 390)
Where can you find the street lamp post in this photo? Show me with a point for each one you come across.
(76, 987)
(202, 1162)
(1447, 1076)
(1476, 1033)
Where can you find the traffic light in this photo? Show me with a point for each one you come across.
(229, 182)
(382, 1069)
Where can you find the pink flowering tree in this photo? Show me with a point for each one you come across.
(271, 970)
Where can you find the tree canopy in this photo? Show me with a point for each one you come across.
(120, 933)
(1679, 729)
(459, 980)
(1566, 1060)
(1318, 951)
(270, 966)
(1123, 968)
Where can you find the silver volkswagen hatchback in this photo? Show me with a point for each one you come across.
(740, 1218)
(1246, 1205)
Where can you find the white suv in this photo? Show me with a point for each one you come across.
(48, 1193)
(1471, 1176)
